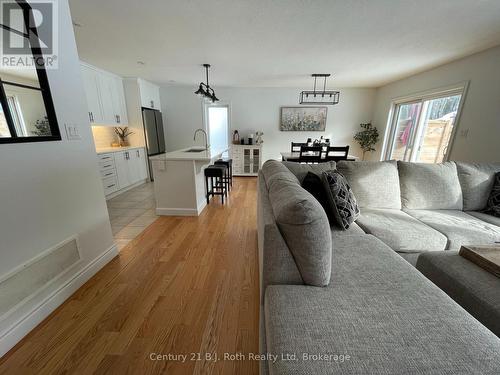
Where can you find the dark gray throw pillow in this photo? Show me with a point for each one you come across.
(313, 183)
(341, 199)
(493, 205)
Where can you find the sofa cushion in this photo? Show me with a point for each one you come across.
(375, 184)
(401, 231)
(476, 180)
(341, 201)
(274, 170)
(411, 258)
(459, 227)
(485, 217)
(276, 263)
(354, 230)
(473, 288)
(300, 170)
(305, 228)
(381, 312)
(430, 186)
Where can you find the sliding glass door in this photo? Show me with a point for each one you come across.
(421, 129)
(405, 124)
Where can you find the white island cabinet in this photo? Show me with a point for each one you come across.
(179, 180)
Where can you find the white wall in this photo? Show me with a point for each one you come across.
(51, 191)
(258, 109)
(481, 111)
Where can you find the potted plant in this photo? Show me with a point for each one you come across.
(123, 134)
(367, 138)
(42, 127)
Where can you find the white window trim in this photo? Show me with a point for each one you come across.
(459, 88)
(17, 115)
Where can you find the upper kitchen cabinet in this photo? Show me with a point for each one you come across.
(91, 85)
(105, 97)
(150, 94)
(119, 101)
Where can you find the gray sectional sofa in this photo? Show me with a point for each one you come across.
(345, 302)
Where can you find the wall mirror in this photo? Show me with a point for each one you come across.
(27, 112)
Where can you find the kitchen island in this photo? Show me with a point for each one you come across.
(179, 181)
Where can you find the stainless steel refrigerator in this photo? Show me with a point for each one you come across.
(153, 132)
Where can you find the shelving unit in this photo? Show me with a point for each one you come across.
(247, 159)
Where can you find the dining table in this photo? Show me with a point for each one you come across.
(294, 156)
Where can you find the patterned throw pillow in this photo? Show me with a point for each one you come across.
(341, 199)
(493, 205)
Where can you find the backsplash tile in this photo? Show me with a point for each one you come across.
(104, 136)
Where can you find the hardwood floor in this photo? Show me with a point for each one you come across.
(185, 285)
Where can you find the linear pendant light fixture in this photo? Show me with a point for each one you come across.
(319, 97)
(204, 90)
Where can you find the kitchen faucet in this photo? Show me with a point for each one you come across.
(206, 138)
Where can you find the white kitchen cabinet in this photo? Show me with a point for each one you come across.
(150, 94)
(107, 169)
(91, 85)
(106, 90)
(137, 169)
(123, 168)
(140, 168)
(105, 97)
(119, 101)
(247, 159)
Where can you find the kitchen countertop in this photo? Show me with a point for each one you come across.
(205, 155)
(103, 150)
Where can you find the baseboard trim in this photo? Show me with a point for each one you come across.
(118, 192)
(29, 321)
(201, 206)
(181, 211)
(177, 211)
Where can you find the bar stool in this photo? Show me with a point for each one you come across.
(218, 183)
(229, 164)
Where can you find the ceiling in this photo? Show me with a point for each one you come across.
(279, 43)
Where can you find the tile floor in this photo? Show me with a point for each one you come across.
(131, 212)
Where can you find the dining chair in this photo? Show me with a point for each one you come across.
(296, 146)
(336, 153)
(310, 154)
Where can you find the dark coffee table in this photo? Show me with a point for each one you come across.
(472, 287)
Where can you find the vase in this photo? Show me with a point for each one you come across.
(124, 143)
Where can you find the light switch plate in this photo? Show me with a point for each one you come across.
(72, 132)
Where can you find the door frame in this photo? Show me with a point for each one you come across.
(456, 89)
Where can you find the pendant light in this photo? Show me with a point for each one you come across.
(204, 89)
(320, 97)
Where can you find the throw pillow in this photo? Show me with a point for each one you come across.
(493, 205)
(313, 184)
(341, 199)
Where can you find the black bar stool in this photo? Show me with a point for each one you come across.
(229, 164)
(218, 184)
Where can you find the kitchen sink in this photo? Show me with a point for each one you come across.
(195, 150)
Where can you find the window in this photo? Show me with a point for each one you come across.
(217, 118)
(27, 112)
(422, 128)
